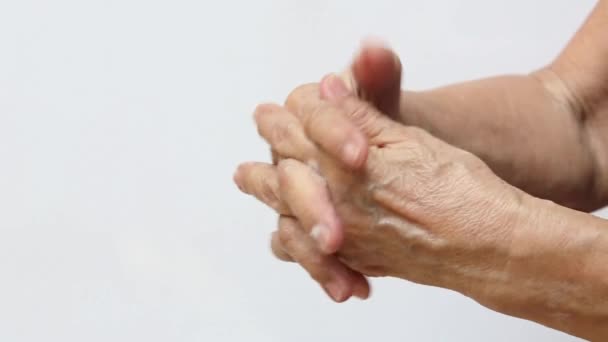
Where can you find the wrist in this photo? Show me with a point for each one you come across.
(555, 273)
(515, 214)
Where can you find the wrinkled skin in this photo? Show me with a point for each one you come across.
(418, 209)
(435, 214)
(374, 75)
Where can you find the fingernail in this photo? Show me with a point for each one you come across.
(351, 153)
(336, 87)
(336, 291)
(320, 233)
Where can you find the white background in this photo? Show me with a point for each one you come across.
(121, 122)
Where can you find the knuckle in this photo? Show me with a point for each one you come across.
(359, 112)
(269, 193)
(411, 134)
(284, 181)
(297, 99)
(419, 153)
(317, 118)
(285, 167)
(282, 208)
(286, 232)
(282, 133)
(366, 118)
(276, 158)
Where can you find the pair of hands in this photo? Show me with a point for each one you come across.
(359, 194)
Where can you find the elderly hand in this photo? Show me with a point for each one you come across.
(418, 208)
(375, 75)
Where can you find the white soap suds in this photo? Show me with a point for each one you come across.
(313, 164)
(408, 230)
(315, 233)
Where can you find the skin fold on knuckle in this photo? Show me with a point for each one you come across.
(280, 134)
(261, 112)
(415, 139)
(300, 97)
(411, 188)
(286, 232)
(364, 117)
(268, 192)
(285, 168)
(319, 122)
(400, 191)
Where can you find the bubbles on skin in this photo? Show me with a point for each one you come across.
(313, 164)
(408, 230)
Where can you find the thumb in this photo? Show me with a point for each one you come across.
(375, 76)
(377, 128)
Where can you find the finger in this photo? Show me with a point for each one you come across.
(330, 129)
(377, 127)
(283, 132)
(338, 280)
(262, 181)
(376, 71)
(361, 287)
(307, 197)
(275, 157)
(277, 248)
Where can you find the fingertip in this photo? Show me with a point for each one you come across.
(236, 178)
(361, 288)
(375, 49)
(368, 57)
(338, 289)
(324, 91)
(333, 88)
(373, 64)
(262, 109)
(238, 175)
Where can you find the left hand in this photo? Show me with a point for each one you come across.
(375, 76)
(420, 209)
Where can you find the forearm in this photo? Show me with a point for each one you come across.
(583, 65)
(523, 131)
(557, 271)
(543, 132)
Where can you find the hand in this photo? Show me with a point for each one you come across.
(418, 209)
(375, 75)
